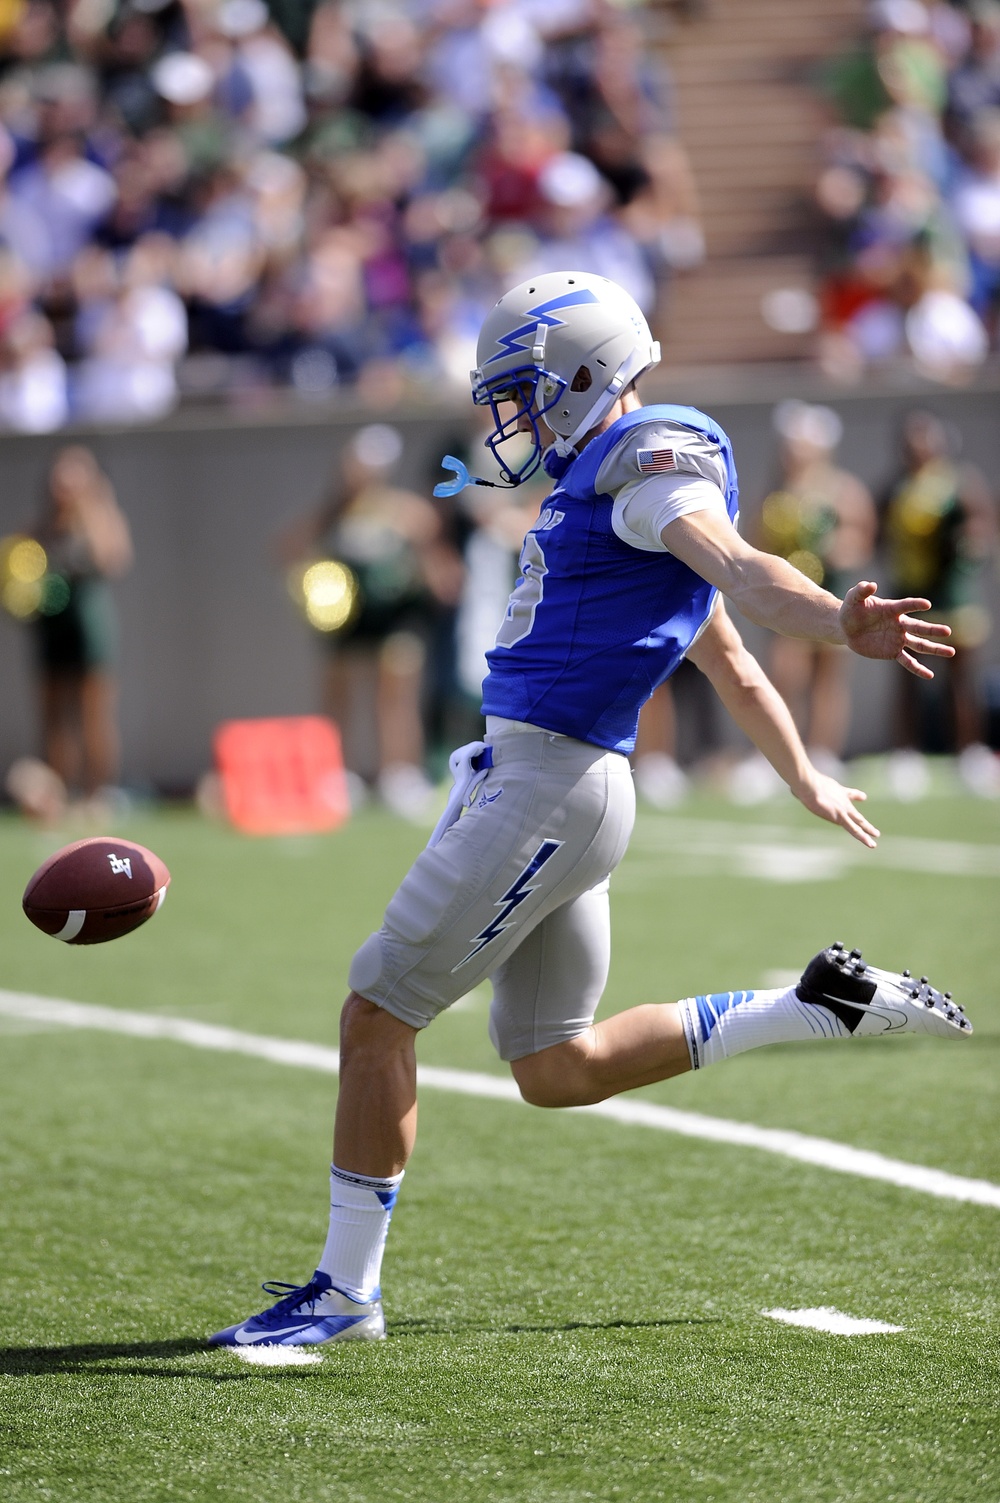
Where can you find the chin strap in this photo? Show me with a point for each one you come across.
(565, 448)
(600, 409)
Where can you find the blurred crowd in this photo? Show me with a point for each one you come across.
(910, 190)
(182, 188)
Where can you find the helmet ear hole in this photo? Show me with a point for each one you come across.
(583, 380)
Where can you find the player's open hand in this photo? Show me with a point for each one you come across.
(828, 799)
(877, 628)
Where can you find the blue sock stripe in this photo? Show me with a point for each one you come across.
(711, 1008)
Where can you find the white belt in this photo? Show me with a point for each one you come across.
(469, 766)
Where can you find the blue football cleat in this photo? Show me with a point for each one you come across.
(308, 1316)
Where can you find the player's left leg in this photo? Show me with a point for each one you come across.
(464, 908)
(838, 996)
(375, 1131)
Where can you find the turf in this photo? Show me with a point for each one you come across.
(574, 1305)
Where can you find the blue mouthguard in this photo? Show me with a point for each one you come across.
(461, 480)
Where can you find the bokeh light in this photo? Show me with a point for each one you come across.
(22, 576)
(55, 595)
(26, 560)
(781, 515)
(807, 563)
(328, 593)
(20, 599)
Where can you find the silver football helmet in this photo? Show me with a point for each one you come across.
(563, 346)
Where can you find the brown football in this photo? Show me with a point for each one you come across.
(96, 889)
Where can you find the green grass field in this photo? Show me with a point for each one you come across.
(575, 1305)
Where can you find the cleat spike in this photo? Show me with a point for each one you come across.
(907, 973)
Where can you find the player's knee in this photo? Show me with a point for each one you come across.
(554, 1077)
(366, 1028)
(537, 1090)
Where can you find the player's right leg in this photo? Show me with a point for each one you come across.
(837, 996)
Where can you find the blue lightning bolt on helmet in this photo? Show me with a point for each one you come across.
(563, 347)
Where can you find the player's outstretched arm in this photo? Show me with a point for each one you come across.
(758, 709)
(771, 592)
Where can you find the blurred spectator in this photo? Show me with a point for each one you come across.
(940, 529)
(658, 776)
(897, 62)
(258, 80)
(911, 192)
(391, 540)
(87, 544)
(133, 341)
(577, 229)
(60, 199)
(975, 83)
(33, 387)
(821, 519)
(617, 97)
(976, 204)
(347, 217)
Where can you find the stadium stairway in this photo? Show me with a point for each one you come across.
(750, 117)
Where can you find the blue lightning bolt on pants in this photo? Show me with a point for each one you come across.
(517, 891)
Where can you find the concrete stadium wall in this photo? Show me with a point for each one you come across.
(208, 630)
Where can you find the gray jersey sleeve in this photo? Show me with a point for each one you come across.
(675, 450)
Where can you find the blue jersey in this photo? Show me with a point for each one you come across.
(593, 624)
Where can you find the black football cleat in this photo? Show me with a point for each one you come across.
(869, 1001)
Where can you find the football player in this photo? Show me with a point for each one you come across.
(622, 575)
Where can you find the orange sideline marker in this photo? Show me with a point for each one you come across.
(283, 776)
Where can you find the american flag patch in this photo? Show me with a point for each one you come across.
(652, 461)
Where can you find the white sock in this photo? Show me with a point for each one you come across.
(726, 1023)
(360, 1212)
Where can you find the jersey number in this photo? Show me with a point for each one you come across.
(527, 594)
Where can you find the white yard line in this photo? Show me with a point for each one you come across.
(276, 1356)
(786, 853)
(833, 1322)
(822, 1152)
